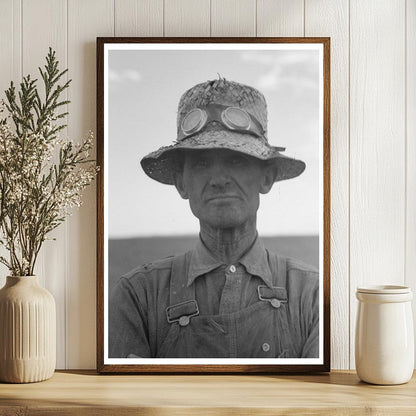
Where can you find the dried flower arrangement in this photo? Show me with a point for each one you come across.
(42, 176)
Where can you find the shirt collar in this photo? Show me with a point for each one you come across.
(201, 262)
(255, 261)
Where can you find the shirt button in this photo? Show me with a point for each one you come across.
(275, 303)
(265, 347)
(232, 268)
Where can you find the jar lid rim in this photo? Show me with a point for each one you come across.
(384, 289)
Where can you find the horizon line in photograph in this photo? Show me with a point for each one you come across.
(125, 254)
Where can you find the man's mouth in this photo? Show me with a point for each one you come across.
(223, 197)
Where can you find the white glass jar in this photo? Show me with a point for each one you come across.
(384, 338)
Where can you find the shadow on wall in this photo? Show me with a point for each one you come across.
(126, 254)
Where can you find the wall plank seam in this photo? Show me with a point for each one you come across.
(349, 186)
(210, 18)
(405, 144)
(21, 39)
(65, 343)
(304, 17)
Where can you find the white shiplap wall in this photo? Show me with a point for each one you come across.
(373, 132)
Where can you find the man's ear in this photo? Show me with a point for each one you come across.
(267, 179)
(178, 181)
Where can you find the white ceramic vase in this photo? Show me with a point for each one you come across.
(27, 331)
(384, 340)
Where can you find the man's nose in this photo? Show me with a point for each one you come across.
(219, 177)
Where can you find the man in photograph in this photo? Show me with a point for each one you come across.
(228, 297)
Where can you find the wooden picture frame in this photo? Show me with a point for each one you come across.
(118, 88)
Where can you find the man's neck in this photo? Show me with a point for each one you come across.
(228, 244)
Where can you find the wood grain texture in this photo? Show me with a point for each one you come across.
(100, 204)
(86, 393)
(37, 38)
(138, 17)
(86, 20)
(377, 147)
(187, 18)
(330, 18)
(233, 18)
(280, 18)
(411, 152)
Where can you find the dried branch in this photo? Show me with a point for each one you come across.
(36, 193)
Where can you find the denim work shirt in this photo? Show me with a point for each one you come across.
(192, 305)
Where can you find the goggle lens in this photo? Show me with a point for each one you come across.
(193, 121)
(235, 118)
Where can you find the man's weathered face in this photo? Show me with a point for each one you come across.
(223, 186)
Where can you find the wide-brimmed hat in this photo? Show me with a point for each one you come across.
(240, 131)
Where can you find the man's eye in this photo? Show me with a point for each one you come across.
(200, 163)
(237, 161)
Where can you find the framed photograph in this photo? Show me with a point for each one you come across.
(213, 205)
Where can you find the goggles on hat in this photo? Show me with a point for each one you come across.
(233, 118)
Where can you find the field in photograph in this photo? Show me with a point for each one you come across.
(126, 254)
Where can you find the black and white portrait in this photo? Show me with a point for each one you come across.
(213, 204)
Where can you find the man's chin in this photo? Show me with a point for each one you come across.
(225, 223)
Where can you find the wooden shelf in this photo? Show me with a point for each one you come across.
(85, 393)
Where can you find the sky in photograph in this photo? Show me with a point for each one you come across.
(144, 88)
